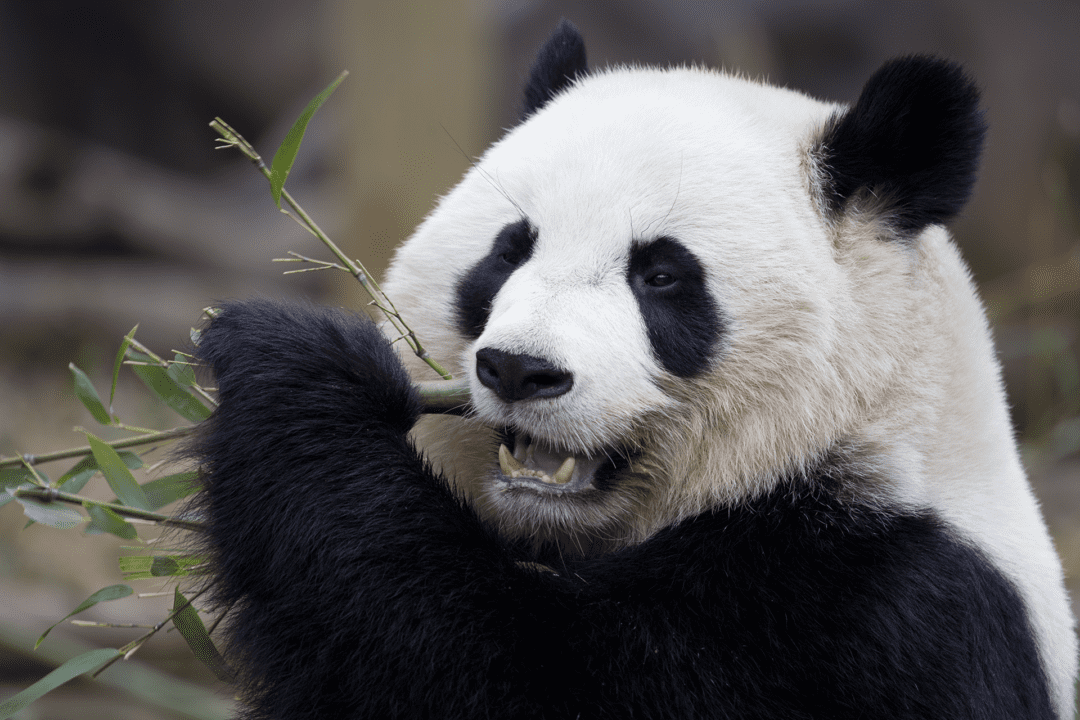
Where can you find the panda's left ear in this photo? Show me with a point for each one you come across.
(911, 144)
(559, 63)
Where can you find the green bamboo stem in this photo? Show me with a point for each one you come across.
(54, 495)
(150, 439)
(231, 138)
(128, 650)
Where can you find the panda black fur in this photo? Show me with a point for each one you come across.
(795, 491)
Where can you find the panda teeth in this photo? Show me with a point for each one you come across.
(510, 465)
(514, 468)
(565, 471)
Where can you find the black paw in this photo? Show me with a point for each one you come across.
(292, 363)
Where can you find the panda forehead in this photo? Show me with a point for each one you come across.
(645, 160)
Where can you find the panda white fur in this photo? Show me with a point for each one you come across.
(795, 490)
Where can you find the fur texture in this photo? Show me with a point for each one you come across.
(560, 61)
(794, 490)
(362, 588)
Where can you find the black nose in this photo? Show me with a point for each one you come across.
(520, 377)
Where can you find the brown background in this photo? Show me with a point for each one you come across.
(116, 210)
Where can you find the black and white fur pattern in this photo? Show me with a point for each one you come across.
(795, 492)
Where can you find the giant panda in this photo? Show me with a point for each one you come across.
(737, 445)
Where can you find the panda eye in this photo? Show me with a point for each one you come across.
(511, 258)
(660, 280)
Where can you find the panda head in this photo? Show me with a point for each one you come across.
(670, 287)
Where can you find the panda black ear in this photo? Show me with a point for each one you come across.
(912, 140)
(560, 61)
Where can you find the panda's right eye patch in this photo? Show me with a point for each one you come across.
(660, 279)
(476, 289)
(511, 258)
(683, 321)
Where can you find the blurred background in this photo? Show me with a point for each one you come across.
(115, 209)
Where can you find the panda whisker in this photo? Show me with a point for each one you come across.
(768, 432)
(678, 191)
(475, 164)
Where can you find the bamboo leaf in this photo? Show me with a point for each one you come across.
(168, 489)
(103, 519)
(84, 390)
(117, 475)
(141, 567)
(79, 665)
(164, 566)
(51, 514)
(76, 478)
(286, 153)
(172, 394)
(181, 372)
(14, 478)
(120, 361)
(113, 592)
(191, 627)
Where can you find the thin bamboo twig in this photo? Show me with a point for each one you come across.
(163, 436)
(54, 495)
(162, 362)
(231, 138)
(127, 650)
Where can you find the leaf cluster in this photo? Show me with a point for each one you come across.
(60, 503)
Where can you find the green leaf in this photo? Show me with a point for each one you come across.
(84, 390)
(172, 394)
(103, 519)
(136, 356)
(14, 478)
(191, 626)
(113, 592)
(120, 361)
(135, 567)
(140, 567)
(117, 475)
(181, 372)
(164, 490)
(73, 668)
(286, 154)
(51, 514)
(164, 566)
(76, 478)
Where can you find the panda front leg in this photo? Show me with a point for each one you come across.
(359, 586)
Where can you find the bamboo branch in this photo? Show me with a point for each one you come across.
(150, 439)
(127, 650)
(54, 495)
(231, 138)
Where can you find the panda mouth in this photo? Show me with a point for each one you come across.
(538, 465)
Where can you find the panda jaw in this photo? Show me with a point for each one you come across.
(537, 466)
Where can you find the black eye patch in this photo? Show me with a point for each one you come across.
(476, 290)
(683, 321)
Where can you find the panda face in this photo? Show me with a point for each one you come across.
(606, 277)
(668, 288)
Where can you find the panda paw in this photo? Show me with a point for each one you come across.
(292, 365)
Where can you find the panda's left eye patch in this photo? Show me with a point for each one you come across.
(683, 321)
(477, 288)
(660, 279)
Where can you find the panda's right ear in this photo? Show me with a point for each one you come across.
(559, 63)
(911, 144)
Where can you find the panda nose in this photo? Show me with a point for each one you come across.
(520, 377)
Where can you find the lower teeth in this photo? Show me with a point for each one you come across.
(512, 467)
